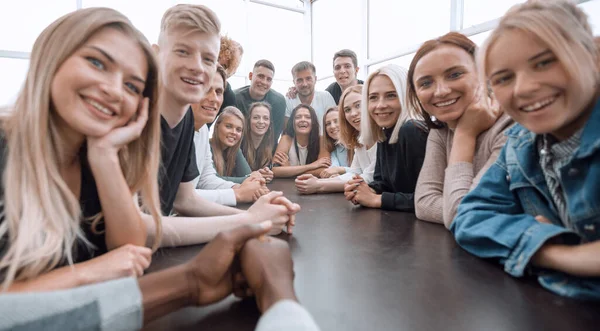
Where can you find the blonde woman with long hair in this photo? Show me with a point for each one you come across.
(535, 211)
(390, 122)
(80, 141)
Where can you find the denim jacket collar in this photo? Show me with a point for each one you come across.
(523, 140)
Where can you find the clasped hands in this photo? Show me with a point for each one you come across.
(358, 192)
(245, 262)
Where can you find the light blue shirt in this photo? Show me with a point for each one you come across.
(339, 157)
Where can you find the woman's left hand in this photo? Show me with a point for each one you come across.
(119, 137)
(331, 172)
(266, 173)
(365, 196)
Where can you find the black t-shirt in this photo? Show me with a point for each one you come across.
(228, 100)
(90, 206)
(178, 159)
(336, 91)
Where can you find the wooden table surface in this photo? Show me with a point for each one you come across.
(367, 269)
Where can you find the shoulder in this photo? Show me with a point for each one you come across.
(503, 124)
(275, 96)
(411, 128)
(228, 88)
(240, 90)
(441, 135)
(332, 87)
(324, 97)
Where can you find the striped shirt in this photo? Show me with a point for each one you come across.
(554, 155)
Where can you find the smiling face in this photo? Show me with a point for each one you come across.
(352, 110)
(209, 106)
(229, 131)
(533, 87)
(261, 80)
(384, 102)
(305, 82)
(331, 125)
(99, 87)
(445, 82)
(302, 121)
(260, 120)
(188, 62)
(344, 71)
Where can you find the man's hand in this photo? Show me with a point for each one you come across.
(268, 269)
(210, 273)
(276, 208)
(250, 189)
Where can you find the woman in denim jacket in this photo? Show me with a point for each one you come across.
(537, 209)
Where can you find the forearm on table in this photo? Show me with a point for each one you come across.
(194, 205)
(291, 171)
(58, 279)
(570, 259)
(123, 224)
(165, 291)
(183, 231)
(463, 148)
(457, 183)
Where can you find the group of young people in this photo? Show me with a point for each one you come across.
(499, 144)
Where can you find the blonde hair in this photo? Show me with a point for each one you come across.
(41, 214)
(370, 133)
(563, 27)
(348, 134)
(194, 17)
(225, 165)
(230, 55)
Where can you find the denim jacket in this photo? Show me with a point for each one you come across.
(496, 219)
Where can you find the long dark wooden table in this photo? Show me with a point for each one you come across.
(367, 269)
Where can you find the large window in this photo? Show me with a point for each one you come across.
(337, 24)
(278, 36)
(12, 78)
(145, 15)
(403, 61)
(592, 8)
(478, 11)
(396, 25)
(22, 21)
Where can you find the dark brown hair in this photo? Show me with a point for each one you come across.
(314, 140)
(346, 53)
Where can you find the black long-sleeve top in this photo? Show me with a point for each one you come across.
(398, 166)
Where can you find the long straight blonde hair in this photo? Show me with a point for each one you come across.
(370, 133)
(562, 26)
(41, 214)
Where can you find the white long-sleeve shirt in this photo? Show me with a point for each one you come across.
(210, 186)
(363, 164)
